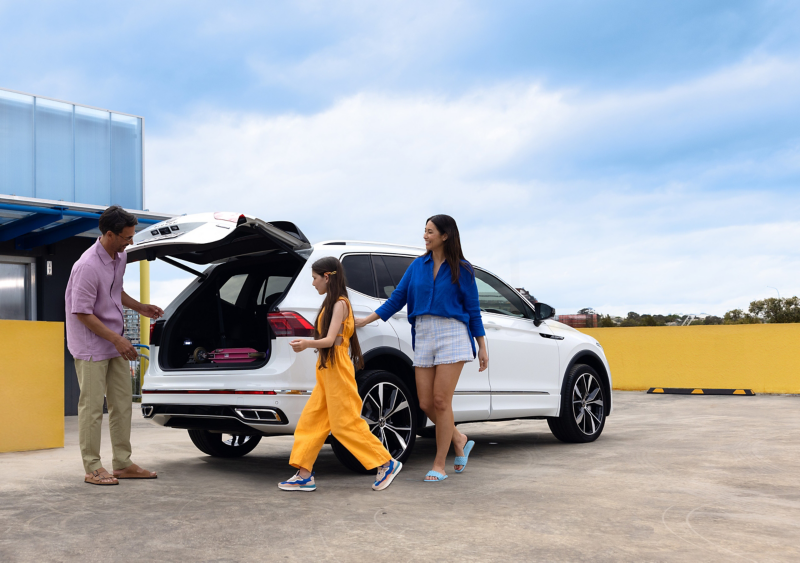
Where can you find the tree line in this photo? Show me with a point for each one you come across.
(770, 310)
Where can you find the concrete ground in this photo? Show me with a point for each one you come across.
(672, 478)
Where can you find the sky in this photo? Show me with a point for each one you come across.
(614, 154)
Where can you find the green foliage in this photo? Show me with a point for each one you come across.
(739, 317)
(606, 322)
(772, 310)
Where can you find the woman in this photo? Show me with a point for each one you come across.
(443, 309)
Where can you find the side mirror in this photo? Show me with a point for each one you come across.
(542, 312)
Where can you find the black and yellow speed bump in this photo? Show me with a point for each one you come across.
(694, 391)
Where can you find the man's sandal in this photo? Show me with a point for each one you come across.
(462, 459)
(133, 471)
(97, 478)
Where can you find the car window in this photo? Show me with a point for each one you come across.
(496, 297)
(386, 284)
(358, 269)
(272, 286)
(397, 266)
(231, 289)
(389, 270)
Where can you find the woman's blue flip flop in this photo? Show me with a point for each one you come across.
(462, 459)
(439, 477)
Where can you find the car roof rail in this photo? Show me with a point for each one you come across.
(368, 243)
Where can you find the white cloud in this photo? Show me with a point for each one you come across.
(631, 201)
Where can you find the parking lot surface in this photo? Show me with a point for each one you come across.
(672, 478)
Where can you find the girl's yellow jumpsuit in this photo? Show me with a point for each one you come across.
(335, 407)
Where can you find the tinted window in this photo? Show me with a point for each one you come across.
(496, 297)
(386, 284)
(358, 269)
(389, 271)
(231, 289)
(272, 287)
(397, 266)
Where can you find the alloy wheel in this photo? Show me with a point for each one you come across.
(388, 413)
(235, 441)
(587, 403)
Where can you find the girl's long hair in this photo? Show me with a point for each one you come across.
(337, 287)
(446, 225)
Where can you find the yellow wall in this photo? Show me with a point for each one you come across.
(31, 385)
(764, 358)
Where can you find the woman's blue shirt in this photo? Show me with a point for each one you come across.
(440, 297)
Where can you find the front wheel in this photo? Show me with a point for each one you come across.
(582, 417)
(391, 414)
(223, 445)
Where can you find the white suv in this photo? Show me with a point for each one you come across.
(222, 368)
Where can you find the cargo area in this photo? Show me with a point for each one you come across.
(225, 323)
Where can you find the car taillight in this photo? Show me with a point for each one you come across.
(152, 326)
(287, 323)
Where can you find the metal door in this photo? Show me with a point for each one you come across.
(14, 291)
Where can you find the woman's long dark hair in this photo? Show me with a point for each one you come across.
(337, 287)
(446, 225)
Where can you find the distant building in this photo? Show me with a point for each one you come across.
(579, 321)
(131, 331)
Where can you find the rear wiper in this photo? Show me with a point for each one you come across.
(185, 268)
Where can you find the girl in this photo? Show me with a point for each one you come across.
(335, 406)
(443, 309)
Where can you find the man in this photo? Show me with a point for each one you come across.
(94, 302)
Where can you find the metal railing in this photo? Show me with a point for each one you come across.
(136, 372)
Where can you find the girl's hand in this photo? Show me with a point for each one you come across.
(298, 345)
(483, 358)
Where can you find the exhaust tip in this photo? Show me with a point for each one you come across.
(258, 415)
(147, 411)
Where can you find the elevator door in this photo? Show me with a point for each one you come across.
(14, 291)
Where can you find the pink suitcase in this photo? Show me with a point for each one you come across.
(227, 355)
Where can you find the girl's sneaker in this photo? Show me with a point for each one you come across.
(386, 475)
(297, 483)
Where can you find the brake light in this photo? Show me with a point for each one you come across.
(237, 218)
(152, 326)
(288, 323)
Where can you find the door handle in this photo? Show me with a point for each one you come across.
(492, 325)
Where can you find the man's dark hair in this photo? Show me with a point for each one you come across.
(115, 219)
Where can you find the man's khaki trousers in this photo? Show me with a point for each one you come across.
(110, 379)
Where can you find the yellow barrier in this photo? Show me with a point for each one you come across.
(31, 385)
(764, 357)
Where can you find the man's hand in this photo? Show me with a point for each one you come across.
(125, 348)
(299, 345)
(151, 311)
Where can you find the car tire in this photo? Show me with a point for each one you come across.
(212, 443)
(395, 424)
(583, 399)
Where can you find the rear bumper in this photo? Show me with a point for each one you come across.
(246, 419)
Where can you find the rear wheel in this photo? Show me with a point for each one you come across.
(391, 414)
(223, 445)
(583, 399)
